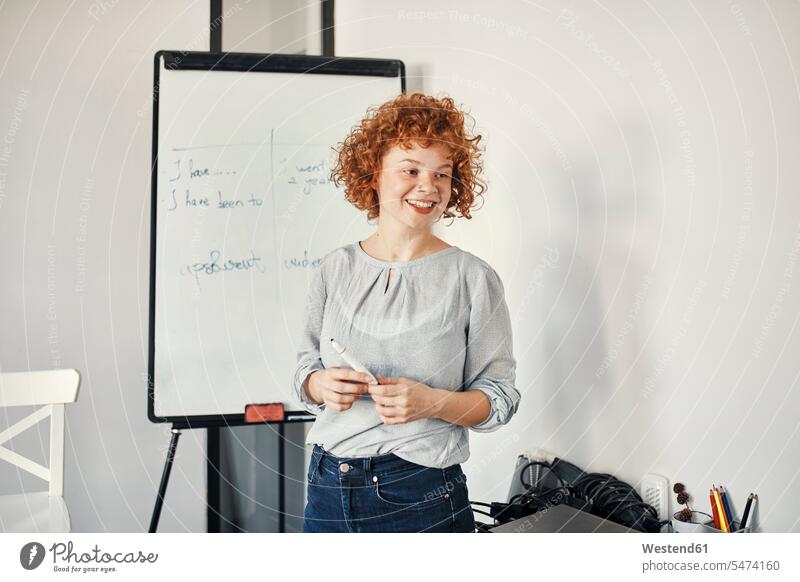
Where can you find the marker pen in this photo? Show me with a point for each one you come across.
(355, 364)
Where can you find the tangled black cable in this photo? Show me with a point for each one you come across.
(600, 493)
(617, 501)
(529, 501)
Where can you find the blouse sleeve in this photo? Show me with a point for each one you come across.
(490, 365)
(308, 356)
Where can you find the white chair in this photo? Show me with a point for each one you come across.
(45, 511)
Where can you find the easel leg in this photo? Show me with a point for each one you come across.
(213, 478)
(281, 479)
(162, 489)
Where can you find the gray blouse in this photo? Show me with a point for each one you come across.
(442, 321)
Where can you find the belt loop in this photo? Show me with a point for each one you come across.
(368, 471)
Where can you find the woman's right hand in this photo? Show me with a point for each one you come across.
(337, 388)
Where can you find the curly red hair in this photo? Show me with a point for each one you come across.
(405, 120)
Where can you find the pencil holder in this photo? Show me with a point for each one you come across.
(709, 528)
(702, 523)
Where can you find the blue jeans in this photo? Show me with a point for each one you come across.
(384, 493)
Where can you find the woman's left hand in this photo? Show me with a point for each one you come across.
(401, 400)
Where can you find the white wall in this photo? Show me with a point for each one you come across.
(274, 26)
(75, 93)
(643, 214)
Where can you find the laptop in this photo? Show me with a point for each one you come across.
(561, 519)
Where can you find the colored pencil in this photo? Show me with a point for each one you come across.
(747, 510)
(714, 509)
(722, 521)
(727, 505)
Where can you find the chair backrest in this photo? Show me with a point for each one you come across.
(51, 390)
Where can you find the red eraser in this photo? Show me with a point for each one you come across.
(263, 412)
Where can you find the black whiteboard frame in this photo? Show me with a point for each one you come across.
(242, 62)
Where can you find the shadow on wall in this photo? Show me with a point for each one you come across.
(593, 343)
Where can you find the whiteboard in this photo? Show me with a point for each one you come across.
(243, 211)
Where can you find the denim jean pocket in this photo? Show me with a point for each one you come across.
(313, 465)
(421, 488)
(455, 476)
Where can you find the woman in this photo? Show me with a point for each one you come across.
(426, 318)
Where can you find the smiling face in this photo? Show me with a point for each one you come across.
(414, 185)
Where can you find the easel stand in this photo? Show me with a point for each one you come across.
(254, 414)
(162, 488)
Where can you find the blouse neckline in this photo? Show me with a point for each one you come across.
(378, 262)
